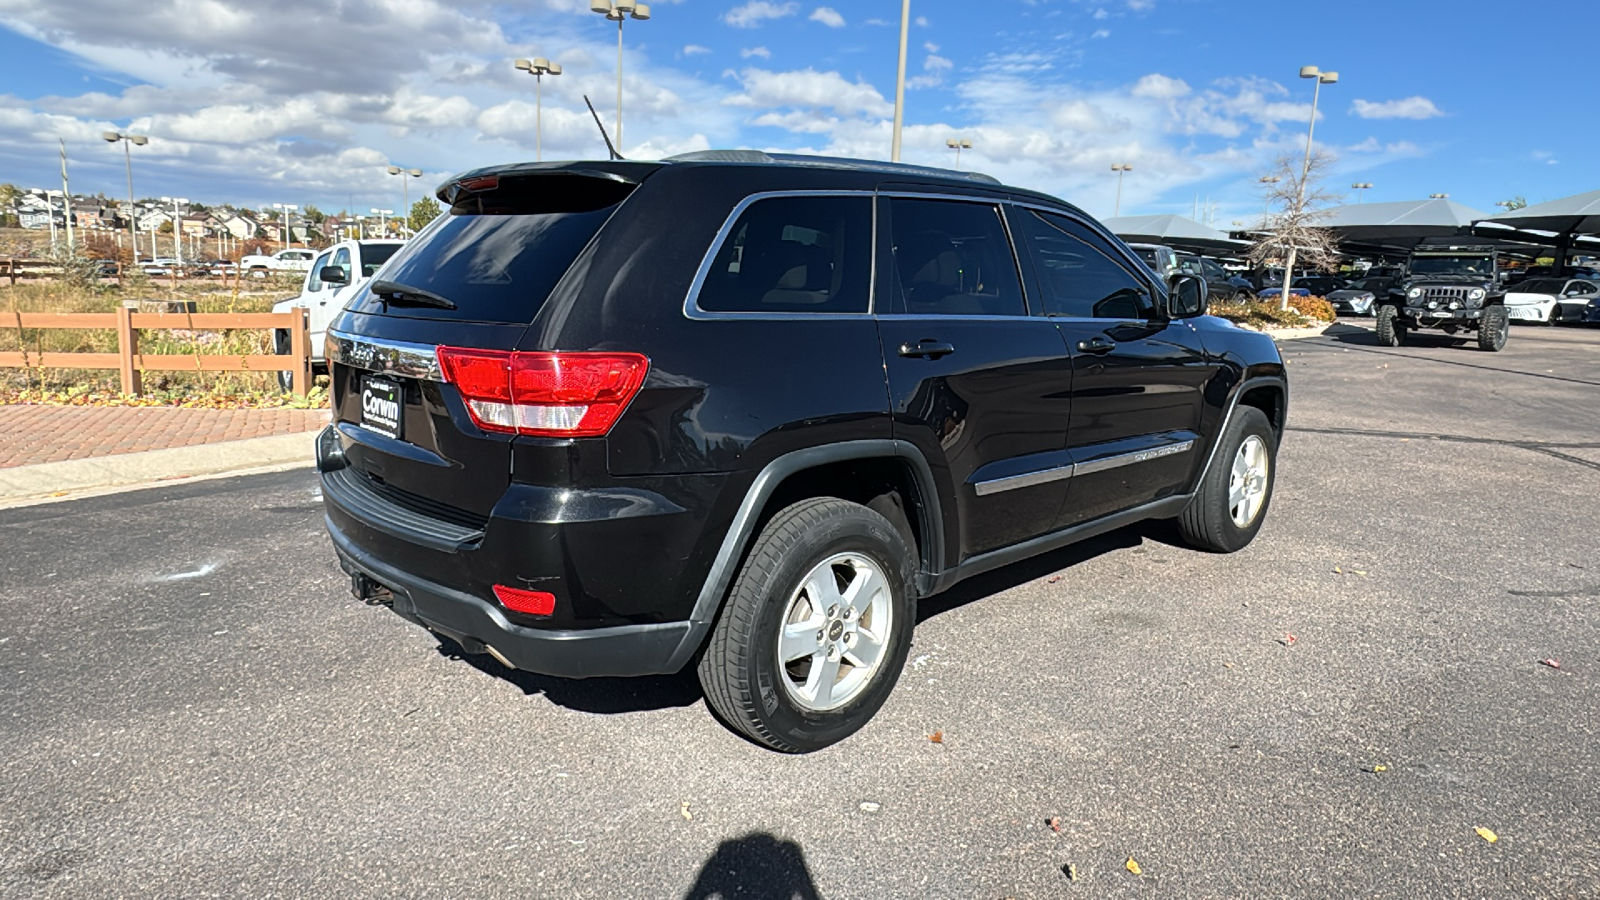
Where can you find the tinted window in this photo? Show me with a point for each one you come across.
(1078, 272)
(496, 257)
(373, 256)
(794, 255)
(952, 259)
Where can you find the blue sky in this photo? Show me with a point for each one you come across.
(305, 101)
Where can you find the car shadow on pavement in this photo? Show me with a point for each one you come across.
(757, 866)
(1018, 573)
(605, 696)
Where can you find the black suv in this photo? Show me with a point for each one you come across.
(742, 412)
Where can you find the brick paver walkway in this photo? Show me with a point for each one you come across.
(39, 434)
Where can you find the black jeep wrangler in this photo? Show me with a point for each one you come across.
(1454, 289)
(741, 412)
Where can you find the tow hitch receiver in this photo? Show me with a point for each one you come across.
(368, 591)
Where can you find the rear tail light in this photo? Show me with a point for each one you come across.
(533, 603)
(544, 394)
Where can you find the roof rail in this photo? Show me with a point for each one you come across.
(829, 162)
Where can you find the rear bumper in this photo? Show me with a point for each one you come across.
(620, 560)
(478, 625)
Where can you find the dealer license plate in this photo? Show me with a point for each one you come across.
(383, 407)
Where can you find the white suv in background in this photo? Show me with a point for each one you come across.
(335, 275)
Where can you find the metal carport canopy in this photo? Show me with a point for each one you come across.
(1176, 232)
(1578, 214)
(1398, 226)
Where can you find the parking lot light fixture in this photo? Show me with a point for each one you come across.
(1121, 169)
(618, 11)
(405, 194)
(177, 227)
(539, 67)
(383, 219)
(128, 140)
(1438, 196)
(1360, 186)
(1320, 78)
(288, 235)
(900, 82)
(958, 145)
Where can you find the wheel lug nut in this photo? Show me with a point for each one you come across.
(820, 637)
(833, 612)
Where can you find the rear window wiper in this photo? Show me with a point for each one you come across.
(395, 292)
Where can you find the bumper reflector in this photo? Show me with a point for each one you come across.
(532, 603)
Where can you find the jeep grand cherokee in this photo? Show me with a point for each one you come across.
(742, 412)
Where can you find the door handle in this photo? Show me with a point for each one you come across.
(1097, 346)
(927, 348)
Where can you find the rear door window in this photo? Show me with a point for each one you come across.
(497, 255)
(794, 255)
(953, 258)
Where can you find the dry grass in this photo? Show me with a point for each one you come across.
(101, 386)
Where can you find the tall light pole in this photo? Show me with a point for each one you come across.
(1121, 169)
(617, 11)
(128, 140)
(1267, 180)
(288, 236)
(958, 145)
(900, 82)
(405, 190)
(66, 199)
(177, 226)
(1321, 78)
(1360, 186)
(539, 67)
(50, 213)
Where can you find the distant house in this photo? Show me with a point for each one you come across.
(153, 219)
(200, 225)
(94, 214)
(40, 218)
(241, 227)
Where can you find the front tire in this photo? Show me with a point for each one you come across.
(815, 629)
(280, 346)
(1492, 329)
(1231, 502)
(1391, 333)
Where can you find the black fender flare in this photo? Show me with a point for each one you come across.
(742, 530)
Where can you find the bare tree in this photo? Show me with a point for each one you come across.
(1295, 203)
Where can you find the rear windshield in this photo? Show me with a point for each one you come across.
(497, 256)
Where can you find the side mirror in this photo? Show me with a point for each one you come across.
(333, 275)
(1186, 296)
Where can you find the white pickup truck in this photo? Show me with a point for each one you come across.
(336, 275)
(294, 260)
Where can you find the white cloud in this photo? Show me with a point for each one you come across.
(756, 12)
(1101, 13)
(762, 52)
(1141, 5)
(930, 46)
(828, 16)
(695, 50)
(933, 70)
(808, 88)
(1101, 33)
(922, 21)
(1159, 87)
(1409, 108)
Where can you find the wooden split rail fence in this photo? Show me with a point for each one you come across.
(129, 362)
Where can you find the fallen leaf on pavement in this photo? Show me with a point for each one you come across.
(1227, 665)
(1487, 835)
(1132, 865)
(683, 810)
(1380, 768)
(1338, 571)
(1071, 871)
(937, 737)
(1055, 823)
(1552, 663)
(1288, 640)
(1054, 579)
(869, 806)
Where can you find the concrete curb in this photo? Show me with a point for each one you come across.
(1295, 334)
(46, 482)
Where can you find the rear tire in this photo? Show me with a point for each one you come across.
(821, 567)
(1391, 333)
(1227, 510)
(1555, 315)
(1492, 329)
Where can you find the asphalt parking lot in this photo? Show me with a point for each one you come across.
(194, 706)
